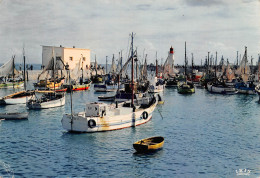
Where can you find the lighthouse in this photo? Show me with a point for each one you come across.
(169, 64)
(171, 58)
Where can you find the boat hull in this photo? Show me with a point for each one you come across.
(80, 87)
(11, 101)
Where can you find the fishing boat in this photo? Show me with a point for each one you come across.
(76, 75)
(14, 116)
(98, 117)
(156, 83)
(186, 87)
(105, 117)
(149, 144)
(50, 99)
(220, 87)
(47, 100)
(20, 97)
(49, 78)
(112, 83)
(171, 82)
(9, 76)
(246, 85)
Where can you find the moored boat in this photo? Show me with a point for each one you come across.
(149, 144)
(18, 97)
(47, 100)
(246, 87)
(106, 98)
(220, 88)
(104, 117)
(14, 116)
(186, 88)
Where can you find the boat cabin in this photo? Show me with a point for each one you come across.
(96, 109)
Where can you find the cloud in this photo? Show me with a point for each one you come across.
(203, 2)
(104, 27)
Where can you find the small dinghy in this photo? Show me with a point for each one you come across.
(106, 98)
(14, 116)
(149, 144)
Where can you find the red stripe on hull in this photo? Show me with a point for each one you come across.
(78, 89)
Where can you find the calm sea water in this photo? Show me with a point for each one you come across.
(206, 135)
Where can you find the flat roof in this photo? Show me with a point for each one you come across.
(65, 47)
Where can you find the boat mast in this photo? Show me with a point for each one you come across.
(24, 70)
(53, 68)
(121, 60)
(208, 64)
(82, 69)
(13, 70)
(156, 69)
(136, 65)
(132, 56)
(237, 59)
(96, 65)
(70, 102)
(106, 64)
(216, 65)
(185, 62)
(192, 66)
(245, 60)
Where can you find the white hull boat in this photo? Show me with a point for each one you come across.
(221, 89)
(18, 97)
(103, 117)
(47, 101)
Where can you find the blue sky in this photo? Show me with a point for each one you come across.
(104, 26)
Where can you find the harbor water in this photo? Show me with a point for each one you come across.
(206, 135)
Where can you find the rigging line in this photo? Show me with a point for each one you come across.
(160, 113)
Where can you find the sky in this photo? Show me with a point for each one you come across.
(104, 27)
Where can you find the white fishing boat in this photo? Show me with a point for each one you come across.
(104, 117)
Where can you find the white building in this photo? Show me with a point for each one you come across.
(69, 56)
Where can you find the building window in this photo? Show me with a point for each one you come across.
(84, 58)
(71, 58)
